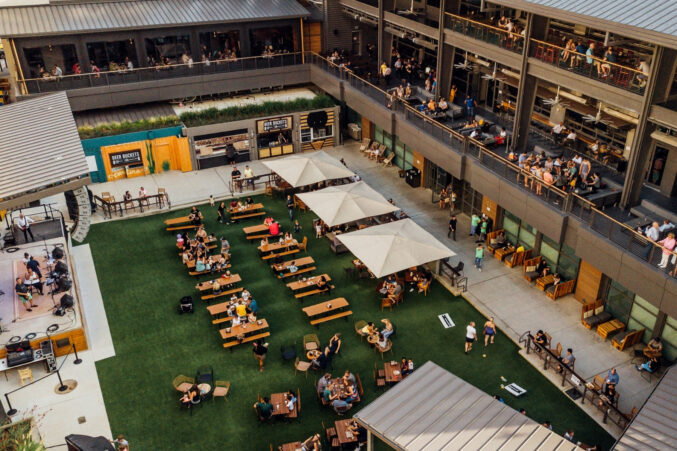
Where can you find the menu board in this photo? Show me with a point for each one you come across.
(125, 158)
(274, 124)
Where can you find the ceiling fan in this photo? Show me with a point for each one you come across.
(492, 76)
(596, 118)
(465, 64)
(556, 101)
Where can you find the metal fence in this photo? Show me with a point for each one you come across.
(485, 32)
(141, 74)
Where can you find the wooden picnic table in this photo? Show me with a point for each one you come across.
(252, 230)
(279, 402)
(300, 262)
(392, 371)
(344, 436)
(177, 221)
(243, 329)
(543, 282)
(218, 309)
(501, 253)
(274, 247)
(309, 283)
(223, 281)
(293, 446)
(323, 307)
(608, 328)
(245, 209)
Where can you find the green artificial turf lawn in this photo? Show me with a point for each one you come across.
(142, 279)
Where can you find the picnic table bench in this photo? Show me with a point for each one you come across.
(249, 332)
(246, 211)
(300, 286)
(274, 249)
(256, 232)
(318, 313)
(303, 264)
(207, 297)
(223, 281)
(177, 221)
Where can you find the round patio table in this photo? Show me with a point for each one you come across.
(312, 355)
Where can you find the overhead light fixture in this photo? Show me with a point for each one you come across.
(424, 43)
(395, 32)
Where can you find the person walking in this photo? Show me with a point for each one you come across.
(24, 224)
(474, 222)
(290, 207)
(470, 336)
(452, 227)
(479, 256)
(489, 332)
(260, 350)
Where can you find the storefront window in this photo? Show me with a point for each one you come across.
(550, 252)
(527, 236)
(220, 44)
(643, 316)
(167, 49)
(568, 263)
(42, 60)
(669, 338)
(275, 39)
(404, 156)
(619, 301)
(511, 225)
(112, 55)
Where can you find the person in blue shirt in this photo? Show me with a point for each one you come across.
(612, 377)
(580, 49)
(470, 105)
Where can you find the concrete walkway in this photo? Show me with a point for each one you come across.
(502, 292)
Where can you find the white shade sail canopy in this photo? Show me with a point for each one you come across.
(337, 205)
(395, 246)
(308, 168)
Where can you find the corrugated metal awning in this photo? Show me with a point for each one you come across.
(40, 146)
(71, 18)
(636, 18)
(655, 426)
(434, 410)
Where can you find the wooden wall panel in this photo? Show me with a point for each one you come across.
(489, 208)
(367, 128)
(312, 37)
(76, 336)
(589, 283)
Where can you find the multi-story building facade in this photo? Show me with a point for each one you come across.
(526, 77)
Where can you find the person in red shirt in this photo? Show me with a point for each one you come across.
(274, 229)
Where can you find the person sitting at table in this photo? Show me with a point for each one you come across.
(201, 265)
(288, 238)
(382, 341)
(654, 348)
(253, 306)
(443, 105)
(348, 378)
(334, 345)
(390, 280)
(216, 287)
(542, 268)
(274, 228)
(408, 91)
(406, 366)
(234, 299)
(323, 382)
(245, 295)
(290, 400)
(651, 365)
(321, 361)
(340, 406)
(249, 201)
(369, 329)
(400, 91)
(432, 106)
(313, 443)
(425, 279)
(241, 310)
(236, 321)
(201, 233)
(191, 397)
(322, 285)
(568, 360)
(608, 395)
(351, 394)
(264, 409)
(292, 268)
(388, 329)
(541, 339)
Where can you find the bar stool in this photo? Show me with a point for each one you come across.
(549, 55)
(538, 53)
(24, 375)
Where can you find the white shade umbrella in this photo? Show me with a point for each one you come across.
(395, 246)
(346, 203)
(308, 168)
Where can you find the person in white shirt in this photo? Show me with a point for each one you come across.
(143, 195)
(572, 135)
(577, 159)
(503, 133)
(667, 225)
(474, 134)
(56, 71)
(249, 175)
(470, 336)
(24, 224)
(557, 131)
(129, 64)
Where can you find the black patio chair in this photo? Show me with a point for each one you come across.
(205, 375)
(288, 351)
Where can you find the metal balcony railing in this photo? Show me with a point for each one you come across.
(614, 74)
(141, 74)
(611, 229)
(485, 32)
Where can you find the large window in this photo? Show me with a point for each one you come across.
(404, 155)
(511, 225)
(112, 55)
(619, 301)
(276, 39)
(561, 259)
(643, 316)
(43, 60)
(219, 44)
(669, 338)
(527, 236)
(550, 252)
(170, 48)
